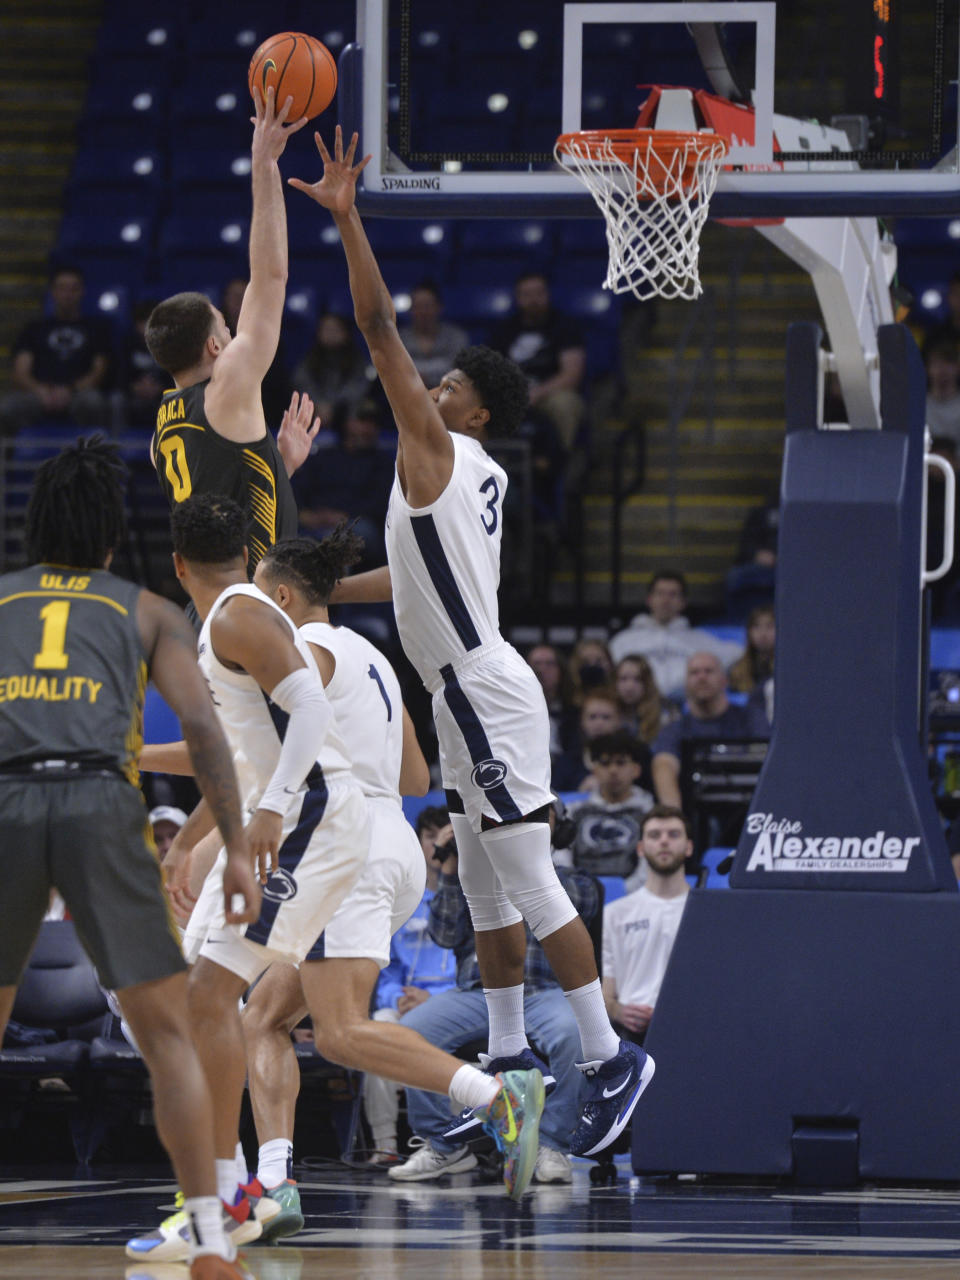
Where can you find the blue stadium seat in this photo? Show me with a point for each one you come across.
(473, 304)
(237, 28)
(139, 98)
(198, 234)
(126, 182)
(126, 31)
(207, 178)
(125, 131)
(159, 722)
(579, 237)
(614, 887)
(118, 244)
(528, 240)
(713, 879)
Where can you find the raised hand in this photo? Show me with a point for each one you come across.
(270, 128)
(296, 435)
(337, 189)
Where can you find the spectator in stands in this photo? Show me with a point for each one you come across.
(639, 930)
(599, 713)
(60, 362)
(457, 1017)
(949, 329)
(665, 638)
(549, 348)
(333, 372)
(708, 715)
(165, 821)
(549, 669)
(589, 666)
(943, 389)
(752, 579)
(756, 665)
(608, 823)
(350, 480)
(642, 708)
(418, 969)
(433, 342)
(141, 381)
(275, 389)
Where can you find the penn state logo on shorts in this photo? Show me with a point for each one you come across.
(488, 774)
(280, 886)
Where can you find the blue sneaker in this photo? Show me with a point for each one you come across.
(512, 1120)
(468, 1123)
(615, 1087)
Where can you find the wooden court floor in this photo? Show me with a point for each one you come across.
(361, 1225)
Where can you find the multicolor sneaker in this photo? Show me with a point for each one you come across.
(264, 1207)
(171, 1242)
(615, 1088)
(512, 1120)
(468, 1123)
(288, 1219)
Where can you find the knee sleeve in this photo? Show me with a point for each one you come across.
(520, 857)
(489, 906)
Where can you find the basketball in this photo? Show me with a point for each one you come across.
(295, 65)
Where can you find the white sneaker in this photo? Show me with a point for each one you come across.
(429, 1163)
(552, 1166)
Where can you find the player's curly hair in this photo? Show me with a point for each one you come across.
(500, 384)
(75, 514)
(209, 529)
(177, 330)
(314, 568)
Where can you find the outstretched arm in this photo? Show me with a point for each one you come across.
(424, 440)
(233, 396)
(372, 587)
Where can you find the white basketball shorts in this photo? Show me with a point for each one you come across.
(385, 896)
(494, 736)
(326, 841)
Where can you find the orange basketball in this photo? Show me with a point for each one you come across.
(298, 66)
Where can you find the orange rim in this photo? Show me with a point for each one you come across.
(663, 143)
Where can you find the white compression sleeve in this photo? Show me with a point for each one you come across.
(301, 695)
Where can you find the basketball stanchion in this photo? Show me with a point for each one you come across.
(653, 187)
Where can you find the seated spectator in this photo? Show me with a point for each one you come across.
(140, 380)
(351, 480)
(60, 362)
(547, 666)
(165, 821)
(641, 707)
(708, 715)
(752, 579)
(599, 713)
(458, 1017)
(433, 342)
(549, 348)
(333, 372)
(639, 930)
(608, 823)
(589, 666)
(756, 665)
(275, 389)
(418, 969)
(665, 638)
(943, 389)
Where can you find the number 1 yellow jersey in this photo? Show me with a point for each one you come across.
(72, 670)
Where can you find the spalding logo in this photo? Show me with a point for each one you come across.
(280, 887)
(488, 774)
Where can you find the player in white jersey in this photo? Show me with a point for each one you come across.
(443, 550)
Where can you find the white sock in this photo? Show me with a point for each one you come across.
(275, 1162)
(227, 1180)
(243, 1173)
(505, 1011)
(472, 1088)
(206, 1219)
(598, 1039)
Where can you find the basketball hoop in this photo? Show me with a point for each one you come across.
(653, 187)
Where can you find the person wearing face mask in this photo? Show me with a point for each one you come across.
(589, 667)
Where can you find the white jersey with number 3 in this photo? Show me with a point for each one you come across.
(445, 563)
(365, 696)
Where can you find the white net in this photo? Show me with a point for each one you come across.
(654, 192)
